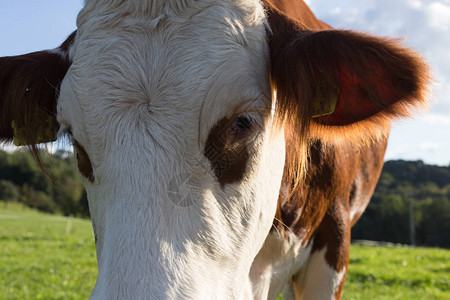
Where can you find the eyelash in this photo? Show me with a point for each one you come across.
(67, 130)
(241, 125)
(244, 121)
(243, 128)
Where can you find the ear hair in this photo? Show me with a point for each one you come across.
(28, 91)
(374, 79)
(29, 86)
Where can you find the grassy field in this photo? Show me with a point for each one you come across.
(51, 257)
(44, 256)
(398, 273)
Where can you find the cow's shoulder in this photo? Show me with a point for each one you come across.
(314, 218)
(338, 184)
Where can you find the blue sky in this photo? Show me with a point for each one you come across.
(31, 25)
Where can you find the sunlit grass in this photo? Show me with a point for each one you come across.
(44, 256)
(398, 273)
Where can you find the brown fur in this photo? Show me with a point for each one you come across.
(29, 83)
(375, 79)
(28, 92)
(228, 156)
(83, 161)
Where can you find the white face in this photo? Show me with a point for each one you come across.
(174, 116)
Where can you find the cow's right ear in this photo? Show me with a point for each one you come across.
(29, 86)
(342, 84)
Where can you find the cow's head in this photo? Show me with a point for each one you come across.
(181, 146)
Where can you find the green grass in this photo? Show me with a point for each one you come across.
(41, 259)
(398, 273)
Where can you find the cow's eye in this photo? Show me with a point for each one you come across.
(241, 127)
(243, 122)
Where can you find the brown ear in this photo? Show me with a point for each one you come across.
(28, 92)
(371, 79)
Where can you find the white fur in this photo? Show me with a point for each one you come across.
(317, 280)
(149, 80)
(278, 261)
(286, 265)
(357, 209)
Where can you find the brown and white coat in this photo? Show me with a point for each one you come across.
(227, 147)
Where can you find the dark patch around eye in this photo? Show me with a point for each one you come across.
(83, 161)
(227, 151)
(241, 127)
(244, 122)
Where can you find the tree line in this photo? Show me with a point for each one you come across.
(409, 192)
(406, 189)
(22, 180)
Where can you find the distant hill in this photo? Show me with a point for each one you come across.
(406, 185)
(417, 172)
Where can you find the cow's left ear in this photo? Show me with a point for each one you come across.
(28, 93)
(336, 80)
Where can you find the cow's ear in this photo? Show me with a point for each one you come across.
(28, 93)
(337, 82)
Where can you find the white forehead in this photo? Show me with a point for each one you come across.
(208, 56)
(207, 44)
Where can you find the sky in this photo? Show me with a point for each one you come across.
(32, 25)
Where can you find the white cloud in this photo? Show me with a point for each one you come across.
(439, 16)
(416, 3)
(423, 138)
(430, 146)
(438, 120)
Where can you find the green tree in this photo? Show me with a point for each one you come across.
(8, 192)
(434, 227)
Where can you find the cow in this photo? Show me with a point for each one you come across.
(226, 147)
